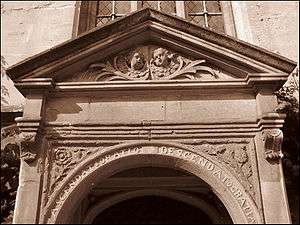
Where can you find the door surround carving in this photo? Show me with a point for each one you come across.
(103, 164)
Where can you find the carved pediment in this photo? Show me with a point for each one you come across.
(148, 62)
(146, 46)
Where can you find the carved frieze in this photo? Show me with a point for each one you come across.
(235, 157)
(148, 63)
(273, 140)
(225, 178)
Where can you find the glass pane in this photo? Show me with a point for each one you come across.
(168, 7)
(103, 20)
(193, 7)
(213, 6)
(105, 7)
(199, 20)
(216, 23)
(122, 7)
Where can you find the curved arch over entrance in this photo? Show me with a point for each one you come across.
(170, 194)
(101, 165)
(152, 210)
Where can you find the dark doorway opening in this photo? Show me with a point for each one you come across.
(152, 210)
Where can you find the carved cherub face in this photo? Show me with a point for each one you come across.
(160, 57)
(137, 61)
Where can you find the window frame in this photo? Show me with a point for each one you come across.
(86, 15)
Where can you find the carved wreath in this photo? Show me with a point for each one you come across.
(163, 65)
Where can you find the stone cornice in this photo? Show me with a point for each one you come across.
(274, 81)
(92, 131)
(35, 85)
(122, 25)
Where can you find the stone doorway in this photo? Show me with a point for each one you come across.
(152, 195)
(152, 210)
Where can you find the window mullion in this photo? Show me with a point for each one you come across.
(205, 14)
(113, 10)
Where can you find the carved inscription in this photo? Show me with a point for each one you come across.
(227, 181)
(216, 172)
(148, 63)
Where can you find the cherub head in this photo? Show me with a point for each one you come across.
(137, 61)
(160, 57)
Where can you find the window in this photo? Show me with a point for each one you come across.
(110, 10)
(216, 15)
(205, 13)
(163, 6)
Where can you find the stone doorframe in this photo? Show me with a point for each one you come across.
(105, 163)
(172, 194)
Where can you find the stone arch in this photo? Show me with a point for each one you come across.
(105, 163)
(179, 196)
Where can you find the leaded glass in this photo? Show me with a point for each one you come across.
(122, 7)
(163, 6)
(168, 7)
(205, 13)
(110, 10)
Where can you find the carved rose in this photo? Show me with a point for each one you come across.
(62, 156)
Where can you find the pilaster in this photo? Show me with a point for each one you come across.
(30, 141)
(274, 198)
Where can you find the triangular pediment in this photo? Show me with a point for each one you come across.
(150, 45)
(150, 62)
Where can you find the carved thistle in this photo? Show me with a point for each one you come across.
(148, 63)
(273, 140)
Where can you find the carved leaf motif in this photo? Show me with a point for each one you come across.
(236, 158)
(160, 64)
(190, 69)
(64, 160)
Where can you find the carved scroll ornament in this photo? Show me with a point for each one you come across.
(28, 146)
(139, 64)
(273, 141)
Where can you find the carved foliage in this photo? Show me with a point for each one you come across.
(273, 140)
(235, 156)
(64, 160)
(148, 63)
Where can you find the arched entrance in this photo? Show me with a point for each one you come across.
(112, 160)
(152, 210)
(152, 195)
